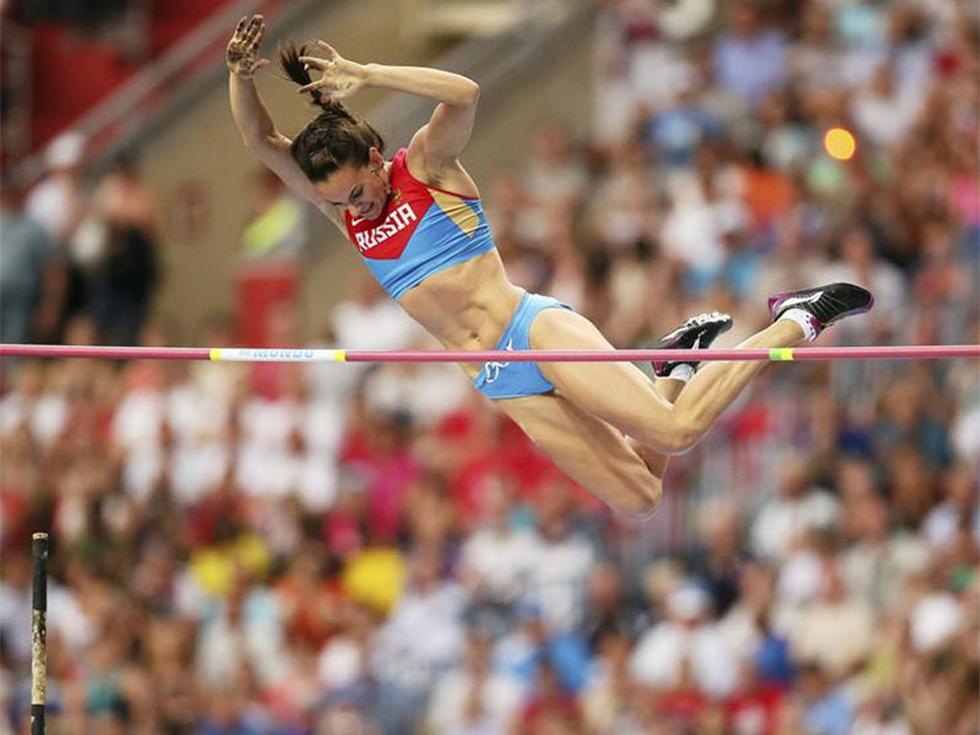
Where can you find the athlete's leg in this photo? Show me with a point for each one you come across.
(698, 332)
(656, 461)
(590, 451)
(622, 395)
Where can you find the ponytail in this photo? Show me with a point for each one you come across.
(336, 137)
(298, 72)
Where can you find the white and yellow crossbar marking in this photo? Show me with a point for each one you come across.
(780, 353)
(239, 354)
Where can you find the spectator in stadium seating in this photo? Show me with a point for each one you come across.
(31, 273)
(229, 707)
(835, 631)
(421, 393)
(749, 626)
(755, 705)
(798, 508)
(61, 204)
(533, 641)
(827, 708)
(564, 557)
(718, 559)
(245, 629)
(674, 133)
(498, 559)
(420, 640)
(612, 703)
(959, 488)
(124, 277)
(58, 202)
(749, 59)
(311, 602)
(554, 173)
(687, 649)
(608, 607)
(550, 707)
(878, 559)
(886, 115)
(473, 698)
(344, 662)
(369, 321)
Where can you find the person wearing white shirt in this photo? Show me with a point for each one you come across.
(796, 510)
(57, 201)
(498, 561)
(424, 633)
(687, 636)
(472, 699)
(557, 582)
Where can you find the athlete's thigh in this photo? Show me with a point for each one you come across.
(590, 451)
(617, 392)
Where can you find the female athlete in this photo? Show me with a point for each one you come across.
(417, 222)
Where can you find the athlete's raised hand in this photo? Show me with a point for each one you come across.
(339, 78)
(242, 54)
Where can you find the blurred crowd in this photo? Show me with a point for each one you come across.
(74, 247)
(322, 550)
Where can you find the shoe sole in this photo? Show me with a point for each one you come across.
(668, 340)
(714, 317)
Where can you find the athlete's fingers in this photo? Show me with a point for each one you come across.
(331, 52)
(253, 27)
(259, 35)
(316, 62)
(241, 25)
(313, 85)
(259, 63)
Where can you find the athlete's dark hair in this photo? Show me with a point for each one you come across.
(336, 137)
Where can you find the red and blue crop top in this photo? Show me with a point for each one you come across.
(421, 230)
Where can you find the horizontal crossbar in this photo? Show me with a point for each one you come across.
(240, 354)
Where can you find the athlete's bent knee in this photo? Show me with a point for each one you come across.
(644, 502)
(681, 440)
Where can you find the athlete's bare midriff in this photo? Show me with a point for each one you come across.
(467, 306)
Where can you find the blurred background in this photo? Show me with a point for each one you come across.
(342, 550)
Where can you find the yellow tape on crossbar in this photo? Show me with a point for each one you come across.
(780, 353)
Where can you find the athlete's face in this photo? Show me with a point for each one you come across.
(363, 190)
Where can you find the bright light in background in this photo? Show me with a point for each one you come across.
(839, 144)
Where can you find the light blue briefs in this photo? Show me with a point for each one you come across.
(500, 380)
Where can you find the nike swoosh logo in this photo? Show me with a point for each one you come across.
(803, 300)
(697, 342)
(356, 222)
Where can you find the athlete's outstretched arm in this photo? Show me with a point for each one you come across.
(252, 118)
(440, 142)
